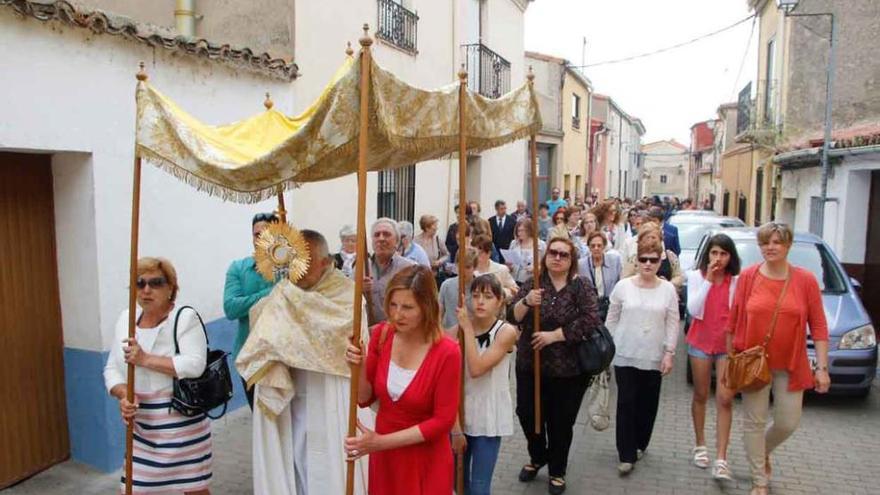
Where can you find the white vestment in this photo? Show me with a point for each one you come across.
(301, 451)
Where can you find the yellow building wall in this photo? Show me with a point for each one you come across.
(574, 142)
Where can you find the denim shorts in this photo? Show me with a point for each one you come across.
(693, 351)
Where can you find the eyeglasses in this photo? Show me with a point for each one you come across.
(648, 259)
(154, 283)
(553, 253)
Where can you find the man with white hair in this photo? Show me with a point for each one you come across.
(409, 249)
(384, 264)
(294, 360)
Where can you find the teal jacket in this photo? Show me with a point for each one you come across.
(244, 287)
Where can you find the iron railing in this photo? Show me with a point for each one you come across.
(488, 72)
(758, 116)
(397, 193)
(398, 25)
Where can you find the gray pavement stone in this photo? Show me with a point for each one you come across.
(832, 452)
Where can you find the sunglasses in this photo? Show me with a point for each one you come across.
(648, 259)
(154, 283)
(553, 253)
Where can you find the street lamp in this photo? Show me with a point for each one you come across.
(788, 7)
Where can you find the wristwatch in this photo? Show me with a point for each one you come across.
(669, 351)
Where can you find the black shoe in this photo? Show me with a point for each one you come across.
(556, 488)
(529, 472)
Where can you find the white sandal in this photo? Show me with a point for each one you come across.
(701, 456)
(721, 470)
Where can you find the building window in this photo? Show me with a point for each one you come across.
(769, 85)
(397, 193)
(663, 179)
(488, 72)
(398, 25)
(575, 111)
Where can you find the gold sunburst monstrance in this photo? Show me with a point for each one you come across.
(281, 251)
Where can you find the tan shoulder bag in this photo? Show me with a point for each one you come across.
(749, 370)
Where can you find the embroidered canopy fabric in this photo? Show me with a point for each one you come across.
(246, 161)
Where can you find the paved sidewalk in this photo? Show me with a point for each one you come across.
(831, 453)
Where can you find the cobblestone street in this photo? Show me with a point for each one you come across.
(831, 452)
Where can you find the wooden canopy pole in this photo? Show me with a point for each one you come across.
(462, 183)
(536, 264)
(132, 295)
(361, 256)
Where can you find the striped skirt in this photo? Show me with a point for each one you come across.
(172, 452)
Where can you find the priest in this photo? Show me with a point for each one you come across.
(294, 357)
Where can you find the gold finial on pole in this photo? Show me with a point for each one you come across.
(348, 49)
(530, 75)
(462, 73)
(142, 72)
(268, 102)
(366, 40)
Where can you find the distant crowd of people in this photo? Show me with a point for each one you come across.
(610, 262)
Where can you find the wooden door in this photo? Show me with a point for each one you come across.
(33, 414)
(871, 279)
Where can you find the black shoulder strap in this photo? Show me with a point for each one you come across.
(177, 318)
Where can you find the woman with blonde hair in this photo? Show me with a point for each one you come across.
(161, 461)
(430, 242)
(670, 268)
(413, 371)
(779, 304)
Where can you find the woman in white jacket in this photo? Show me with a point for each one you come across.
(710, 289)
(171, 452)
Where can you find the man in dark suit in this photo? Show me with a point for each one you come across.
(503, 227)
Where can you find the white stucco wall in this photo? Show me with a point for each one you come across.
(846, 217)
(73, 94)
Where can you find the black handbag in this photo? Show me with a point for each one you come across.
(596, 351)
(197, 396)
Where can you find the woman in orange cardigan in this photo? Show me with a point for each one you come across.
(758, 290)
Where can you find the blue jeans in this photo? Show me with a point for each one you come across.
(479, 463)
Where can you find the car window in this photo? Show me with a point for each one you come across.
(808, 255)
(690, 234)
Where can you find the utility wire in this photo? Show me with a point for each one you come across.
(743, 62)
(666, 49)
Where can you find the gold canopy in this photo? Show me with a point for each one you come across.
(246, 161)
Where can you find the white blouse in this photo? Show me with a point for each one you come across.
(488, 407)
(644, 323)
(190, 363)
(398, 380)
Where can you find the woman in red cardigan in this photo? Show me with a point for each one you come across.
(759, 289)
(413, 371)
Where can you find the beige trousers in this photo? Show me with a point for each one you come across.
(759, 440)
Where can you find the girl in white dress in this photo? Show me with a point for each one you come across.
(488, 407)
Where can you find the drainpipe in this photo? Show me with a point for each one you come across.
(185, 17)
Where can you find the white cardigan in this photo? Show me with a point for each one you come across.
(190, 363)
(697, 290)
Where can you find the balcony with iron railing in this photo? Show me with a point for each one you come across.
(398, 26)
(758, 120)
(488, 72)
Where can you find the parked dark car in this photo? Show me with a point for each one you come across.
(852, 346)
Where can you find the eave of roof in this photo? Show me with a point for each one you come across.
(101, 22)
